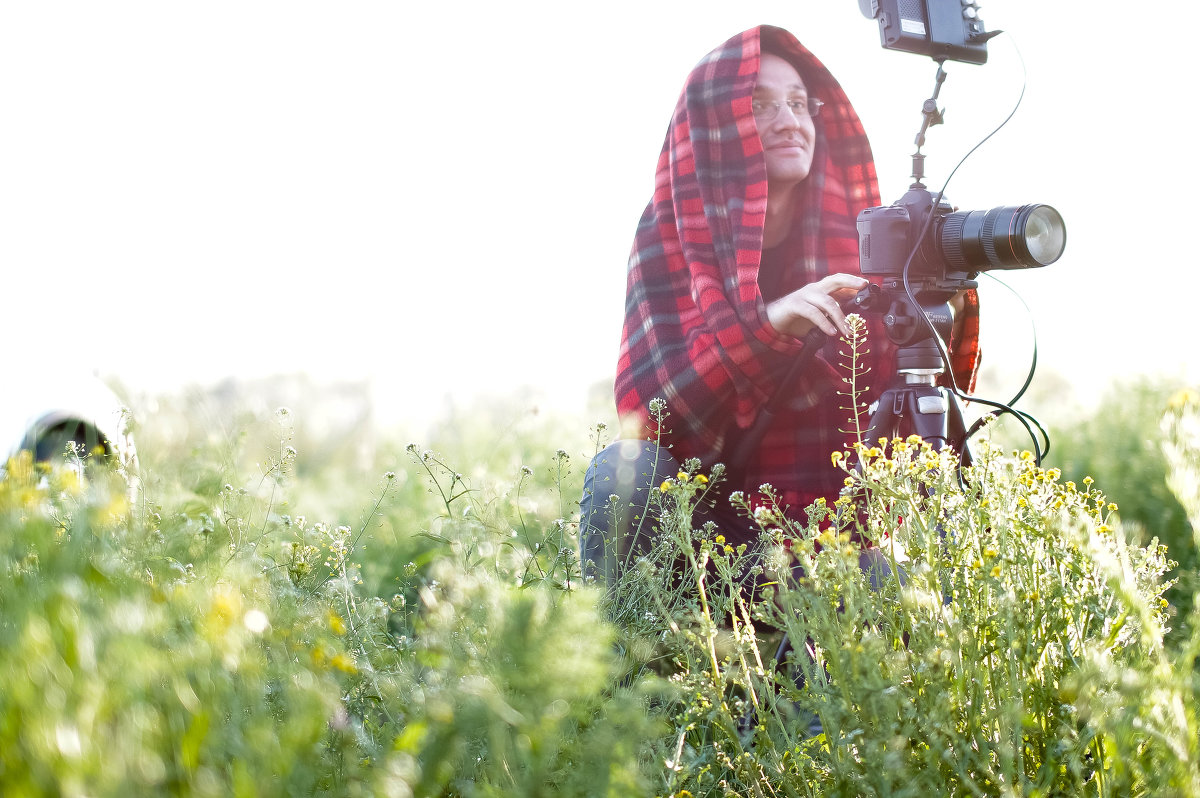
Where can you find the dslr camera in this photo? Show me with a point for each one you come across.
(921, 241)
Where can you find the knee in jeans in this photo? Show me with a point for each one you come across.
(616, 497)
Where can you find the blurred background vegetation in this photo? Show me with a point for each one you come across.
(1116, 439)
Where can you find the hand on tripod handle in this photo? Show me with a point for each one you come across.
(816, 306)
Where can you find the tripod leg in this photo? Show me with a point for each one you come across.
(886, 420)
(925, 410)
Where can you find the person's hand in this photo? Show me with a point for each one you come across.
(815, 305)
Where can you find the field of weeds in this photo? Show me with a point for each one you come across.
(257, 611)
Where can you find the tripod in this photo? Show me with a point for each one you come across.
(914, 404)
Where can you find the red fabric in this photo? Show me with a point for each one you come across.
(696, 332)
(964, 347)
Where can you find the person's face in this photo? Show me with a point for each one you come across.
(787, 136)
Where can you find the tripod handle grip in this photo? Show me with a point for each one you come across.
(813, 341)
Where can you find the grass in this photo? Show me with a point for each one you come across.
(425, 631)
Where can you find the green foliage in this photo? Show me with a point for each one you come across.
(205, 634)
(127, 671)
(205, 637)
(1120, 446)
(1005, 660)
(511, 690)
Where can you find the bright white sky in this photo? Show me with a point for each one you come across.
(440, 197)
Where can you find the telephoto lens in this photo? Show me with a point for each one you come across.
(1011, 237)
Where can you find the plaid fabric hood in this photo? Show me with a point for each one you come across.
(696, 332)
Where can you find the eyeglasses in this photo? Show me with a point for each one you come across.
(765, 111)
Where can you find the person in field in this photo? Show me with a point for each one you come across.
(748, 243)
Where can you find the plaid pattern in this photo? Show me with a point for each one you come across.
(696, 332)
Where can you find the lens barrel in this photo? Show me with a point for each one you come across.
(1010, 237)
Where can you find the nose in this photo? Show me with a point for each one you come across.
(786, 119)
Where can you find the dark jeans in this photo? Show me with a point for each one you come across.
(614, 514)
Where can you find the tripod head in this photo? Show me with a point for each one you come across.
(913, 319)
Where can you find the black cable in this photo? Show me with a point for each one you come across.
(1021, 415)
(1001, 407)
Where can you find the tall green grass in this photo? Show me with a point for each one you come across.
(411, 621)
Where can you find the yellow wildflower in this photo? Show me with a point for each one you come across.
(1183, 398)
(343, 663)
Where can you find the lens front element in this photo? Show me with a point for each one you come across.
(1045, 235)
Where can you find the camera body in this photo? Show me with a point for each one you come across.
(938, 243)
(941, 29)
